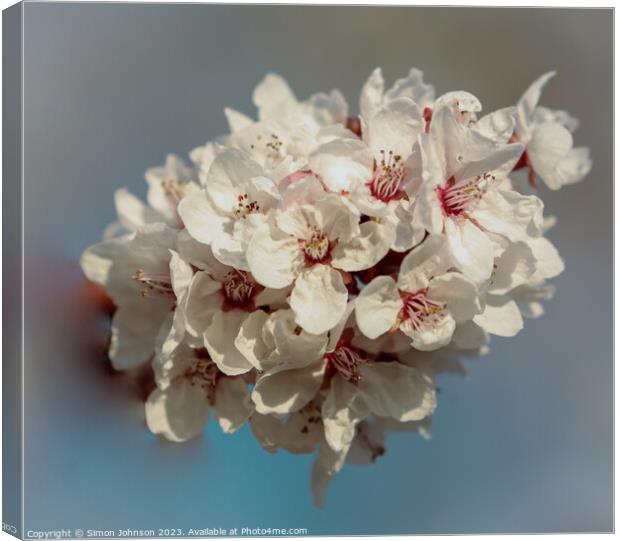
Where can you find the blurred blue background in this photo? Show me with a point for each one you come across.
(523, 444)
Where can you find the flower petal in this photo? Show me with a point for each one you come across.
(273, 257)
(459, 293)
(395, 127)
(342, 410)
(202, 220)
(471, 249)
(511, 214)
(134, 330)
(179, 413)
(132, 212)
(392, 389)
(377, 307)
(364, 250)
(249, 340)
(342, 164)
(232, 405)
(428, 259)
(273, 97)
(501, 316)
(549, 145)
(281, 390)
(219, 338)
(319, 298)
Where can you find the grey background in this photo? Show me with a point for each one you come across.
(524, 444)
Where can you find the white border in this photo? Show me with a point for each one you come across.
(447, 3)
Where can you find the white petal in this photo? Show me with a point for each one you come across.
(392, 389)
(219, 340)
(377, 307)
(549, 145)
(342, 410)
(203, 300)
(282, 391)
(328, 462)
(414, 87)
(232, 405)
(273, 97)
(296, 348)
(249, 340)
(461, 103)
(181, 274)
(134, 330)
(407, 231)
(549, 264)
(470, 336)
(372, 94)
(471, 249)
(513, 268)
(236, 120)
(273, 257)
(179, 413)
(342, 164)
(528, 102)
(459, 293)
(132, 212)
(228, 176)
(498, 125)
(573, 167)
(364, 250)
(319, 298)
(426, 260)
(395, 127)
(202, 220)
(501, 316)
(511, 214)
(431, 337)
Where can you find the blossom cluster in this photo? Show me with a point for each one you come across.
(312, 271)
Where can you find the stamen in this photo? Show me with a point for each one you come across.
(203, 373)
(386, 183)
(312, 415)
(458, 197)
(420, 313)
(245, 206)
(157, 284)
(238, 287)
(317, 249)
(347, 360)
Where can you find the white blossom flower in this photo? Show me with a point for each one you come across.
(359, 384)
(168, 184)
(548, 140)
(235, 202)
(379, 173)
(313, 238)
(425, 303)
(219, 300)
(136, 272)
(189, 386)
(462, 198)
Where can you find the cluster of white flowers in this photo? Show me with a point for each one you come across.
(313, 271)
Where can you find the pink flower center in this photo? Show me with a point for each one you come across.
(458, 197)
(388, 176)
(420, 313)
(239, 289)
(346, 359)
(317, 249)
